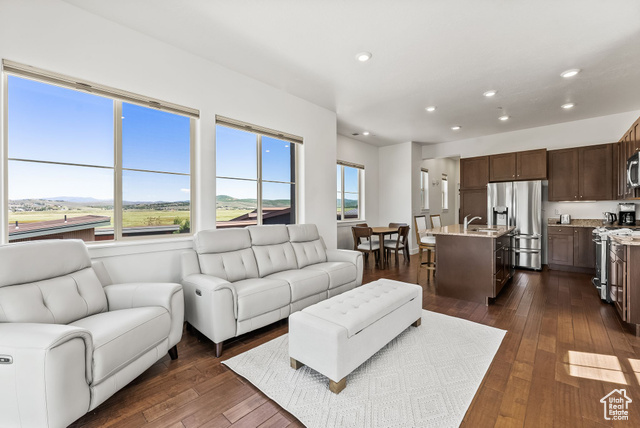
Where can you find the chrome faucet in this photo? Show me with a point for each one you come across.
(467, 223)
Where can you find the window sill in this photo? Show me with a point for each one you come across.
(138, 246)
(350, 222)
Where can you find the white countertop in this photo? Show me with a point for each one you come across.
(472, 231)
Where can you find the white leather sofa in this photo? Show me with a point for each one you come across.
(69, 339)
(238, 280)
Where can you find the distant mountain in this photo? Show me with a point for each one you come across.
(349, 203)
(229, 201)
(76, 199)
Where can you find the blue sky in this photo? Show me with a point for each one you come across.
(236, 157)
(56, 124)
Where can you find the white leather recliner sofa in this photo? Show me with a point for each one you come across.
(69, 339)
(238, 280)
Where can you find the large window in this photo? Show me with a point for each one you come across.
(349, 190)
(94, 167)
(424, 188)
(445, 192)
(255, 175)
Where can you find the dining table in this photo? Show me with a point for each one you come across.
(381, 231)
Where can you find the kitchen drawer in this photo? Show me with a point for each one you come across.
(559, 230)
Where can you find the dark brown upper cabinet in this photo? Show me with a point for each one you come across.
(529, 165)
(502, 167)
(474, 173)
(595, 173)
(581, 174)
(563, 175)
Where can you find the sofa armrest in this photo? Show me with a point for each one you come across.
(47, 381)
(212, 306)
(101, 272)
(189, 263)
(349, 256)
(141, 294)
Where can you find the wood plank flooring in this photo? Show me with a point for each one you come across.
(563, 351)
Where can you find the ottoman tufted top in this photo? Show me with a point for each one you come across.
(358, 308)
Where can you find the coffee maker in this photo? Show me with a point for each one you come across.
(627, 214)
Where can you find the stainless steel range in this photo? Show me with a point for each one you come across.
(601, 237)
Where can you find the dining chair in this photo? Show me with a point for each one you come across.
(425, 243)
(399, 244)
(363, 242)
(435, 220)
(398, 225)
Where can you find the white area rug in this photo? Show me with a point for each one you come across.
(426, 377)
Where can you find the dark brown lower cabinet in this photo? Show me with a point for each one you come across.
(624, 280)
(473, 203)
(472, 268)
(571, 249)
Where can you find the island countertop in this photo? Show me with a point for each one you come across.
(474, 230)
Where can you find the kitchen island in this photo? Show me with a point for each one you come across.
(472, 264)
(624, 278)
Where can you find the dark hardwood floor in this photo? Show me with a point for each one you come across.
(563, 351)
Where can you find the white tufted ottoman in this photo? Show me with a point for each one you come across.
(335, 336)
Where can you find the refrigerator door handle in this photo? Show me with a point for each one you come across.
(529, 251)
(527, 236)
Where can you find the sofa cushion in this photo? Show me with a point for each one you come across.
(303, 283)
(231, 266)
(303, 232)
(58, 300)
(26, 262)
(307, 245)
(221, 241)
(258, 296)
(340, 273)
(358, 308)
(269, 234)
(119, 337)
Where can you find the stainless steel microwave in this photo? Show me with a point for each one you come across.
(633, 170)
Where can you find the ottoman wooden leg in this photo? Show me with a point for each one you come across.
(337, 387)
(417, 323)
(295, 364)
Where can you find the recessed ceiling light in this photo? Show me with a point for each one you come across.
(570, 73)
(363, 56)
(456, 127)
(490, 93)
(504, 117)
(365, 133)
(431, 109)
(567, 106)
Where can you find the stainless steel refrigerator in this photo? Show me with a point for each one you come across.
(519, 204)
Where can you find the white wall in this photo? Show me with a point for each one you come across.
(436, 168)
(59, 37)
(598, 130)
(355, 151)
(396, 183)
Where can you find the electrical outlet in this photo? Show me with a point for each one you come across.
(557, 211)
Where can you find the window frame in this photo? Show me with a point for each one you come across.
(424, 189)
(445, 193)
(259, 180)
(360, 170)
(116, 169)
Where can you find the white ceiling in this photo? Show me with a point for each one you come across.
(436, 52)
